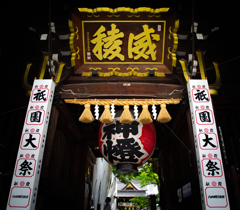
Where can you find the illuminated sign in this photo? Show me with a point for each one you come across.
(213, 188)
(123, 40)
(108, 41)
(24, 187)
(126, 143)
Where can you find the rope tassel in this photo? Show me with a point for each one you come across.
(163, 116)
(145, 116)
(126, 116)
(106, 116)
(86, 116)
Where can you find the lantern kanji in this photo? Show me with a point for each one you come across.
(126, 145)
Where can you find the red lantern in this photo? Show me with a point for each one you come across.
(126, 145)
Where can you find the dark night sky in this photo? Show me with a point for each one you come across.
(17, 16)
(211, 12)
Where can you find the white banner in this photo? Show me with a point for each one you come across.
(24, 187)
(213, 188)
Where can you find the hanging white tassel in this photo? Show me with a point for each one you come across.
(96, 111)
(154, 112)
(135, 110)
(113, 111)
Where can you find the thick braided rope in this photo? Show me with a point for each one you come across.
(122, 102)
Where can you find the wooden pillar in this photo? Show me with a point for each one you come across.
(79, 173)
(196, 200)
(192, 145)
(64, 163)
(153, 202)
(169, 173)
(49, 141)
(47, 153)
(236, 180)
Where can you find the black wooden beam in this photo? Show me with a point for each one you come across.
(121, 90)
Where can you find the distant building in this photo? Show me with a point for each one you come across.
(131, 190)
(104, 185)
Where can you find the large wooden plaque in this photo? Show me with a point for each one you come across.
(123, 41)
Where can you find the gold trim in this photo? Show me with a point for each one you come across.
(115, 12)
(25, 83)
(87, 74)
(217, 84)
(156, 74)
(175, 29)
(115, 72)
(212, 87)
(123, 74)
(213, 92)
(43, 68)
(151, 68)
(140, 74)
(201, 63)
(114, 69)
(183, 63)
(135, 68)
(71, 42)
(159, 74)
(175, 43)
(41, 74)
(94, 68)
(106, 74)
(59, 73)
(74, 57)
(173, 55)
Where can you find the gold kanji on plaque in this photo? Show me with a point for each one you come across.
(110, 44)
(143, 42)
